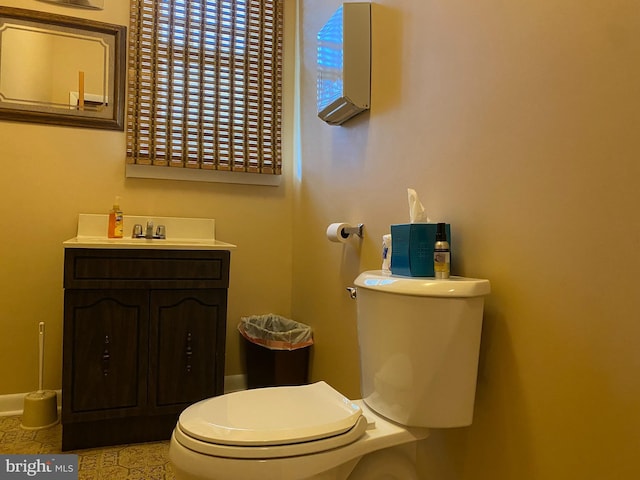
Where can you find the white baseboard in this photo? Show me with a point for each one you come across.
(13, 403)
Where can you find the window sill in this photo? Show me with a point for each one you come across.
(197, 175)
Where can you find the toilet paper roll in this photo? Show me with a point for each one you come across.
(335, 232)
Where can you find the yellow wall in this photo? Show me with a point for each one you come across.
(517, 122)
(51, 173)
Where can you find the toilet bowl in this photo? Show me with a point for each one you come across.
(419, 342)
(288, 433)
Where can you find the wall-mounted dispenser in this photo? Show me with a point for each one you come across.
(344, 63)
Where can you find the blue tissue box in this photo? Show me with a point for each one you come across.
(412, 246)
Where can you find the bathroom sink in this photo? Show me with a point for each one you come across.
(181, 233)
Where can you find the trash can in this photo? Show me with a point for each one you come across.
(277, 350)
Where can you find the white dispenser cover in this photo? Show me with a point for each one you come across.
(271, 416)
(344, 63)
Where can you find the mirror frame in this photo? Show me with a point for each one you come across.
(117, 67)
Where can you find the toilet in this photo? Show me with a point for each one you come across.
(419, 340)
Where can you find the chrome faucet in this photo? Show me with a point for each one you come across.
(149, 233)
(160, 233)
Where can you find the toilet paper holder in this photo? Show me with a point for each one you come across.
(341, 232)
(357, 230)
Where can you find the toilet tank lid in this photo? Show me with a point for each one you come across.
(423, 286)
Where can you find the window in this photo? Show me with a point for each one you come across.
(205, 82)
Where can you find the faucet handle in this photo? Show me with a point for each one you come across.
(137, 231)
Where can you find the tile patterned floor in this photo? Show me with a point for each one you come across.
(146, 461)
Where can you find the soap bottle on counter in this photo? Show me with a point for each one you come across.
(441, 253)
(116, 221)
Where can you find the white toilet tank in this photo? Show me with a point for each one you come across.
(419, 342)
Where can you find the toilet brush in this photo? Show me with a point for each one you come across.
(41, 407)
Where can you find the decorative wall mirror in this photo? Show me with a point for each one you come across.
(61, 70)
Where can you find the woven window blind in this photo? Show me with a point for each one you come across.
(205, 82)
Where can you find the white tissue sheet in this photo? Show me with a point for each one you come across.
(416, 210)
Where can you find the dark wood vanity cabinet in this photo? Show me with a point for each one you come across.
(144, 337)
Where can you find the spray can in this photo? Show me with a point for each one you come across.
(441, 253)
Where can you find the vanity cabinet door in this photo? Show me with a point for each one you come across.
(186, 342)
(105, 353)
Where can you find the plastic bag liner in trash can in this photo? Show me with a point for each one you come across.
(276, 350)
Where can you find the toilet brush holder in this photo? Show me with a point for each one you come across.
(40, 410)
(40, 407)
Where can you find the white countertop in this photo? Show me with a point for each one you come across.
(182, 234)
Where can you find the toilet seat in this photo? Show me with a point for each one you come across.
(272, 451)
(271, 422)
